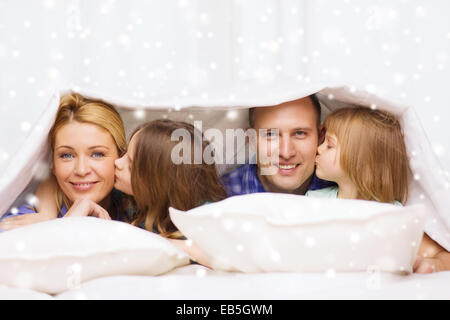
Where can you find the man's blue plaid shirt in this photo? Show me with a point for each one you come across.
(244, 180)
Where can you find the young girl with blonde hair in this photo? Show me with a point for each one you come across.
(364, 153)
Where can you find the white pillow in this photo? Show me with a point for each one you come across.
(270, 232)
(57, 255)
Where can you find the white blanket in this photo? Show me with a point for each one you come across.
(199, 283)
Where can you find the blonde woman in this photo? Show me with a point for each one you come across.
(364, 153)
(87, 136)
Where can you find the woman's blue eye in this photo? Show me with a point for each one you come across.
(65, 156)
(98, 154)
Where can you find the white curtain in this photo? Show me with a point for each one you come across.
(138, 49)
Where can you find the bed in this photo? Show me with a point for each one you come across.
(216, 285)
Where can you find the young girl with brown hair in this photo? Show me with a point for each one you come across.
(365, 154)
(151, 174)
(148, 172)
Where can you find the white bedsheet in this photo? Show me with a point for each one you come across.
(199, 283)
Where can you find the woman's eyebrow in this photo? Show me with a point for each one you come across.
(68, 147)
(90, 148)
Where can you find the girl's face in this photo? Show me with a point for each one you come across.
(123, 168)
(83, 161)
(328, 165)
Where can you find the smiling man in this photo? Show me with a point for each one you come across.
(291, 130)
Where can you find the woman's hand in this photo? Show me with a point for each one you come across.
(85, 207)
(22, 220)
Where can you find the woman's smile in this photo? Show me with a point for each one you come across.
(83, 186)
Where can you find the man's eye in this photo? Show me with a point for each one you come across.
(272, 133)
(300, 133)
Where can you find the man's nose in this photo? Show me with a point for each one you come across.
(287, 148)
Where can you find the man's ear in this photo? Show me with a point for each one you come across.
(322, 132)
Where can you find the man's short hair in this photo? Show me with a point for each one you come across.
(316, 104)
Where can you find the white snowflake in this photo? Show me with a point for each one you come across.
(330, 273)
(310, 242)
(25, 126)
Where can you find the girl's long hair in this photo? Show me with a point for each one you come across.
(158, 183)
(372, 152)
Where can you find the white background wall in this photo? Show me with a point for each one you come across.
(398, 49)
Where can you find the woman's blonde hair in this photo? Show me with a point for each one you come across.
(158, 183)
(74, 107)
(372, 152)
